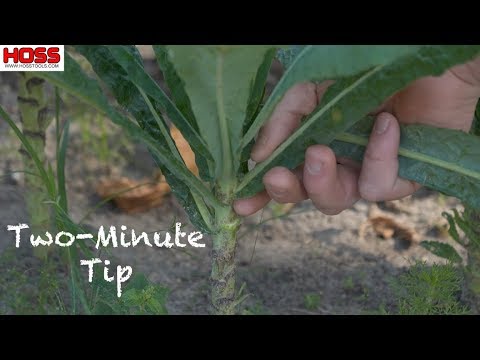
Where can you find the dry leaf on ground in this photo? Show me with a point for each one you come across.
(387, 227)
(132, 195)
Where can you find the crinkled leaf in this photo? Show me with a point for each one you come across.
(350, 99)
(445, 251)
(443, 159)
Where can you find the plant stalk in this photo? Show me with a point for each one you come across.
(223, 261)
(32, 104)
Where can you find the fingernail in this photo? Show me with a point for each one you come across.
(381, 125)
(314, 167)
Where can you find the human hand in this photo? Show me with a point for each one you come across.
(335, 184)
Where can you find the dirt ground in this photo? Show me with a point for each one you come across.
(282, 262)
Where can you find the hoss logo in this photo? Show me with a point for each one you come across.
(28, 55)
(32, 57)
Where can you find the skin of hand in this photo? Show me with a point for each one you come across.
(335, 184)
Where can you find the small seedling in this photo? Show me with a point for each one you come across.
(312, 301)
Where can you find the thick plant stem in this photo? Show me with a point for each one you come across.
(34, 117)
(223, 262)
(473, 267)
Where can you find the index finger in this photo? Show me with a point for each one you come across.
(297, 102)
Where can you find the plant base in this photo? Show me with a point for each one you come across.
(223, 263)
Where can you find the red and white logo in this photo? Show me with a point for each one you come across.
(31, 57)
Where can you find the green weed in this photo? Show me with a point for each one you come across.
(312, 301)
(429, 290)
